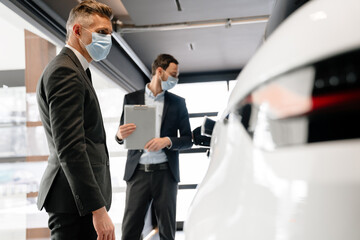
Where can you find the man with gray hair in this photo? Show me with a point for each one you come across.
(76, 188)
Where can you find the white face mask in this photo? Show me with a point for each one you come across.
(99, 47)
(169, 83)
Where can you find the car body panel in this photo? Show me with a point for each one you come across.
(291, 192)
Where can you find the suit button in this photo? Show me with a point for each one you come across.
(77, 197)
(141, 151)
(107, 163)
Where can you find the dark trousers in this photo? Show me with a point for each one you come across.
(66, 226)
(144, 187)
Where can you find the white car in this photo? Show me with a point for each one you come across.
(285, 154)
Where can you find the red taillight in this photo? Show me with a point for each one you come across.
(335, 99)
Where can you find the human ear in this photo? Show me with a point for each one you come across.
(159, 70)
(76, 29)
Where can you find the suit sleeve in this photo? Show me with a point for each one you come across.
(122, 114)
(66, 97)
(121, 141)
(185, 139)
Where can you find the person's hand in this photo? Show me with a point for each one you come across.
(125, 130)
(103, 225)
(157, 144)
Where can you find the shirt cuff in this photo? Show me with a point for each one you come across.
(119, 141)
(168, 147)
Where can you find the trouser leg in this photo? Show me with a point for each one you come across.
(164, 203)
(136, 205)
(65, 226)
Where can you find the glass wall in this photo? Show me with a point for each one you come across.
(23, 146)
(201, 99)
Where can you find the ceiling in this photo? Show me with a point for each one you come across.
(211, 39)
(204, 35)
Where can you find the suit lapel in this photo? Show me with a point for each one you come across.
(166, 107)
(80, 68)
(75, 60)
(77, 63)
(139, 98)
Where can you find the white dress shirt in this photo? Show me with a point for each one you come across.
(158, 101)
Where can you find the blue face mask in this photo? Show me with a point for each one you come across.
(169, 83)
(99, 47)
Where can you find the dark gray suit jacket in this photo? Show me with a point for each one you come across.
(175, 118)
(77, 178)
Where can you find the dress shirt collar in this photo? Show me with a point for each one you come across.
(84, 63)
(150, 94)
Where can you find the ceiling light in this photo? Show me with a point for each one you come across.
(178, 5)
(191, 47)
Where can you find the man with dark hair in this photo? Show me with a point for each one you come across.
(152, 173)
(76, 187)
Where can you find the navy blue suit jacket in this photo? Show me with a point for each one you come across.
(175, 118)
